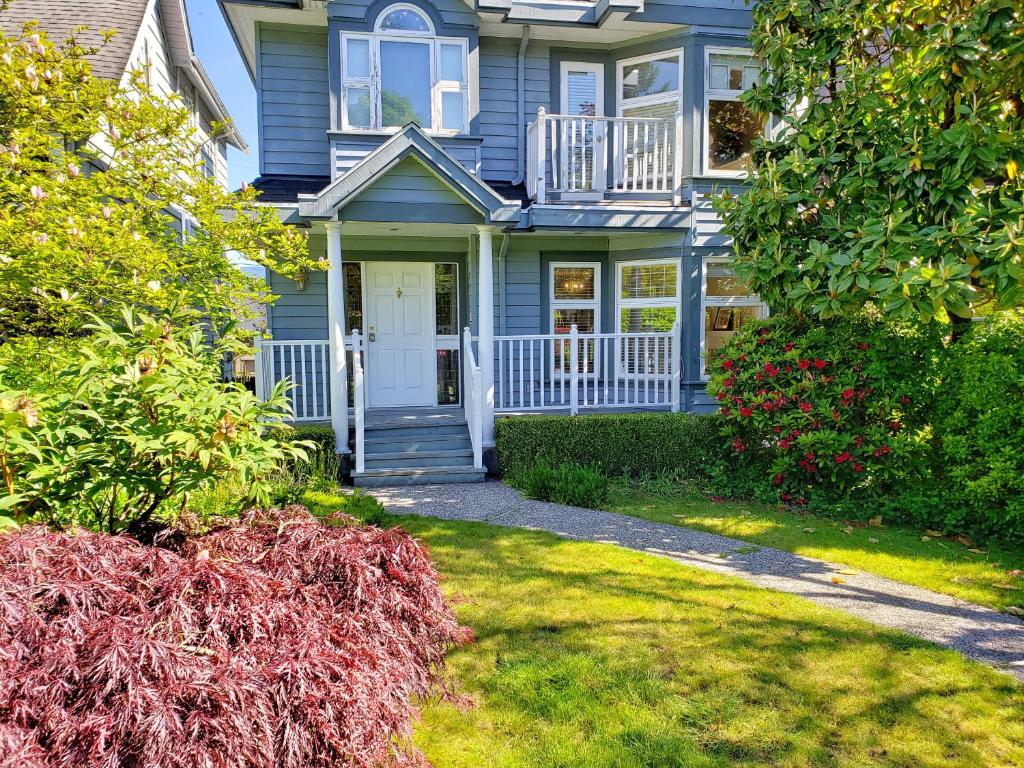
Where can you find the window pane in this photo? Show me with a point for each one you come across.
(732, 129)
(650, 77)
(723, 281)
(447, 377)
(405, 20)
(452, 111)
(574, 283)
(451, 63)
(720, 323)
(446, 300)
(564, 319)
(405, 84)
(644, 319)
(737, 73)
(352, 274)
(648, 281)
(581, 90)
(357, 107)
(357, 59)
(664, 110)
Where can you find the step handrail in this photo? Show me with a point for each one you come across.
(472, 377)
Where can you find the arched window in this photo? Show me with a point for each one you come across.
(403, 73)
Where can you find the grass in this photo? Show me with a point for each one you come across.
(592, 655)
(938, 564)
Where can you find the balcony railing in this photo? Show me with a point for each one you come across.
(577, 157)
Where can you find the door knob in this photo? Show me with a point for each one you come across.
(372, 336)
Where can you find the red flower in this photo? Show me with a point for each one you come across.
(720, 396)
(743, 357)
(771, 370)
(803, 364)
(806, 407)
(778, 478)
(858, 441)
(819, 364)
(725, 411)
(738, 445)
(789, 346)
(746, 412)
(843, 457)
(835, 414)
(758, 377)
(801, 502)
(858, 467)
(849, 393)
(895, 425)
(761, 342)
(786, 497)
(764, 331)
(777, 428)
(882, 451)
(789, 369)
(905, 400)
(809, 456)
(862, 345)
(729, 381)
(728, 364)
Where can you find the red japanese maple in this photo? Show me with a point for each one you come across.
(280, 641)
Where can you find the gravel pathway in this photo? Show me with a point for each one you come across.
(980, 633)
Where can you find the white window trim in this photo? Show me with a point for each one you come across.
(622, 104)
(556, 304)
(674, 302)
(372, 82)
(720, 301)
(718, 95)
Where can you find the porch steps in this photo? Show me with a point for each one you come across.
(415, 451)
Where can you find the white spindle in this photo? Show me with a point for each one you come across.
(358, 401)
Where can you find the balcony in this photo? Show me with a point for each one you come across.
(579, 158)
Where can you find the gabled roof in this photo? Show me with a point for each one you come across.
(59, 18)
(412, 142)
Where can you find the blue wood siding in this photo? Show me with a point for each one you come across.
(498, 97)
(293, 100)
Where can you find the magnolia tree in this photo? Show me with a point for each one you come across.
(894, 180)
(92, 177)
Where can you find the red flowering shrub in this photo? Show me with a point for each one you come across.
(829, 409)
(279, 642)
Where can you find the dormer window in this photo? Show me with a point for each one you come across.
(404, 73)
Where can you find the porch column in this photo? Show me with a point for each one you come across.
(336, 336)
(485, 295)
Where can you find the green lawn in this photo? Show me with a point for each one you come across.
(591, 655)
(938, 564)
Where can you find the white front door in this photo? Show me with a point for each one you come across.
(401, 365)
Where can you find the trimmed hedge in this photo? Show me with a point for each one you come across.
(320, 434)
(630, 444)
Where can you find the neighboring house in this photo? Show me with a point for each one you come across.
(152, 35)
(534, 171)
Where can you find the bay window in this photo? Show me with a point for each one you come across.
(403, 73)
(728, 306)
(729, 127)
(651, 86)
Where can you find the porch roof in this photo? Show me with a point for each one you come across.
(409, 142)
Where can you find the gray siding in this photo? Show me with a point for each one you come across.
(497, 120)
(294, 100)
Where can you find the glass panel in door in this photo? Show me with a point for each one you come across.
(581, 140)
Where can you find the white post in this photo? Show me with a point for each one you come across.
(258, 372)
(574, 372)
(336, 336)
(542, 140)
(485, 300)
(677, 365)
(677, 163)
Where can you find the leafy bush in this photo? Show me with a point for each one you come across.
(278, 642)
(320, 468)
(981, 423)
(630, 444)
(131, 427)
(564, 483)
(829, 410)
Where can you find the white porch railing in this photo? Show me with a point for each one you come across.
(307, 365)
(577, 371)
(358, 400)
(472, 398)
(574, 154)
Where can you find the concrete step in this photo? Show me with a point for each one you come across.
(375, 478)
(434, 458)
(427, 442)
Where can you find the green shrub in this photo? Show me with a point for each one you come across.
(565, 483)
(630, 444)
(981, 425)
(132, 426)
(830, 410)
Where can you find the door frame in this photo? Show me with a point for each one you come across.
(368, 310)
(599, 167)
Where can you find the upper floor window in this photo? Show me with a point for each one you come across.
(729, 127)
(651, 86)
(403, 73)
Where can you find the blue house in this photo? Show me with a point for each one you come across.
(512, 196)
